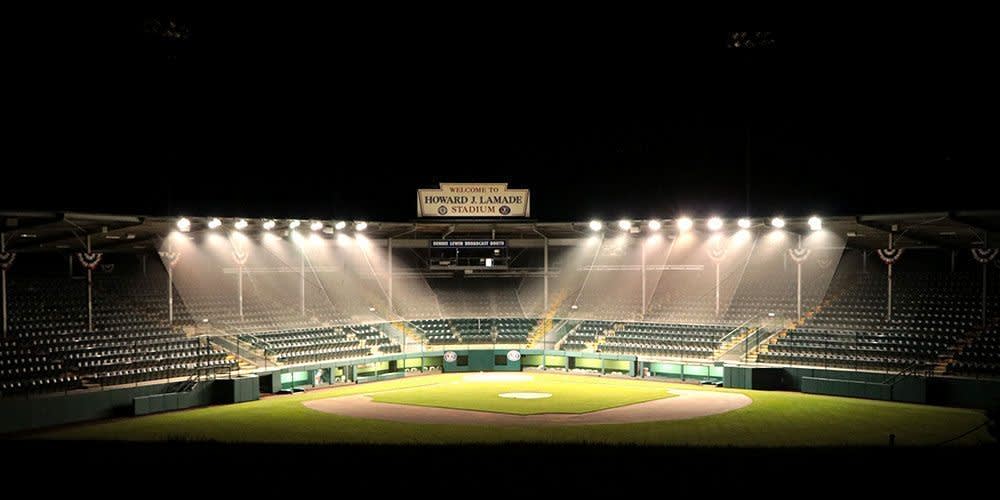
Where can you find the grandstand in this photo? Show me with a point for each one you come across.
(164, 304)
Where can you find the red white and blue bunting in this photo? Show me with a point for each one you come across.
(890, 255)
(171, 258)
(824, 262)
(7, 260)
(240, 254)
(984, 255)
(89, 260)
(716, 253)
(108, 268)
(799, 255)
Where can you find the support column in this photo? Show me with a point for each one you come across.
(798, 292)
(798, 285)
(3, 248)
(864, 261)
(889, 296)
(718, 265)
(952, 261)
(545, 281)
(302, 279)
(642, 269)
(170, 293)
(241, 292)
(985, 264)
(392, 311)
(90, 293)
(986, 245)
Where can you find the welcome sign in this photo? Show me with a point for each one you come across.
(473, 200)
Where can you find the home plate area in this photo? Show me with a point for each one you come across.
(479, 399)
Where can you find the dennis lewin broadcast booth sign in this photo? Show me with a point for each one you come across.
(473, 200)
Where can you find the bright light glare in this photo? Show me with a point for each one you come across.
(316, 225)
(744, 223)
(815, 223)
(241, 224)
(360, 226)
(340, 225)
(214, 223)
(294, 223)
(624, 225)
(684, 223)
(184, 224)
(778, 222)
(595, 225)
(269, 225)
(715, 224)
(654, 225)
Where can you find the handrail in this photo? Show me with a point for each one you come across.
(896, 378)
(726, 336)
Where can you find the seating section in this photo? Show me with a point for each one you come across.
(306, 345)
(981, 357)
(437, 331)
(585, 335)
(936, 324)
(932, 312)
(477, 331)
(664, 340)
(51, 348)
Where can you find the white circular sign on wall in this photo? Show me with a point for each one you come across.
(513, 355)
(450, 357)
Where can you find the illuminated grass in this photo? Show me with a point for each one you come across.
(774, 419)
(569, 395)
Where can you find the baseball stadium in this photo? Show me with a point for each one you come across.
(637, 265)
(842, 331)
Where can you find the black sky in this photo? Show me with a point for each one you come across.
(300, 117)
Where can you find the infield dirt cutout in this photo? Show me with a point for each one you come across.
(687, 404)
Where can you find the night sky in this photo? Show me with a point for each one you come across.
(306, 118)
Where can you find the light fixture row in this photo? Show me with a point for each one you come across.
(184, 224)
(713, 224)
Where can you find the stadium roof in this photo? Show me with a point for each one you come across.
(54, 231)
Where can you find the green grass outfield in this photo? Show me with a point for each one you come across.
(773, 419)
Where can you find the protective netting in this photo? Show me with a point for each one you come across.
(273, 281)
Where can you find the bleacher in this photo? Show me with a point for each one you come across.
(932, 312)
(50, 347)
(476, 331)
(665, 340)
(981, 357)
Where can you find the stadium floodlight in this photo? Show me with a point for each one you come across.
(340, 225)
(684, 223)
(595, 225)
(778, 222)
(241, 224)
(316, 225)
(815, 223)
(654, 225)
(294, 223)
(624, 225)
(744, 223)
(360, 225)
(269, 225)
(714, 224)
(184, 224)
(214, 223)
